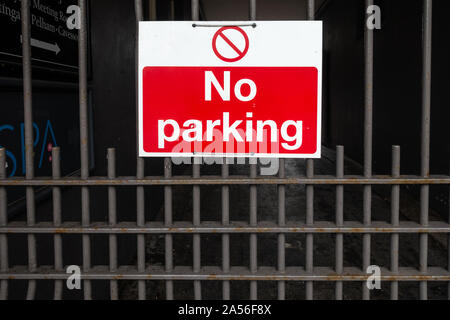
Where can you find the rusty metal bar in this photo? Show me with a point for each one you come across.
(195, 10)
(57, 220)
(196, 237)
(310, 195)
(368, 123)
(112, 218)
(196, 240)
(140, 197)
(235, 227)
(225, 237)
(140, 221)
(253, 201)
(253, 236)
(281, 236)
(29, 153)
(311, 10)
(309, 221)
(395, 218)
(252, 9)
(84, 141)
(168, 224)
(339, 220)
(425, 141)
(235, 180)
(4, 264)
(185, 273)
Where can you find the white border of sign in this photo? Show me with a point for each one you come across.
(305, 46)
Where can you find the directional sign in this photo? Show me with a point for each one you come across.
(53, 44)
(230, 89)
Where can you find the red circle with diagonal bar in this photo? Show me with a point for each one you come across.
(240, 53)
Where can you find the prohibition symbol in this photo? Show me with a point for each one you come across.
(230, 44)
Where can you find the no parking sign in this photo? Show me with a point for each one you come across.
(230, 89)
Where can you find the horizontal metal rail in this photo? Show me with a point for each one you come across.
(235, 274)
(217, 227)
(235, 180)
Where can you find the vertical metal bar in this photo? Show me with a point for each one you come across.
(140, 205)
(395, 218)
(282, 237)
(4, 264)
(425, 143)
(140, 198)
(168, 223)
(311, 10)
(84, 141)
(253, 236)
(195, 10)
(112, 215)
(448, 237)
(252, 13)
(57, 220)
(368, 131)
(310, 197)
(152, 10)
(339, 220)
(225, 237)
(29, 153)
(253, 203)
(172, 10)
(196, 192)
(196, 222)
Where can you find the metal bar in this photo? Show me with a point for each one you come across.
(281, 236)
(140, 206)
(253, 201)
(425, 141)
(84, 140)
(310, 196)
(368, 122)
(57, 220)
(208, 25)
(448, 236)
(235, 227)
(252, 9)
(29, 153)
(172, 10)
(309, 221)
(168, 224)
(253, 237)
(235, 180)
(140, 197)
(195, 10)
(311, 10)
(339, 220)
(395, 218)
(185, 273)
(196, 241)
(112, 217)
(225, 237)
(4, 264)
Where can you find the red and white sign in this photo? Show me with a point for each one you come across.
(235, 90)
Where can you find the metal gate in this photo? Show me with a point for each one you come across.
(225, 273)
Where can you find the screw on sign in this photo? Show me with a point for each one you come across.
(230, 44)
